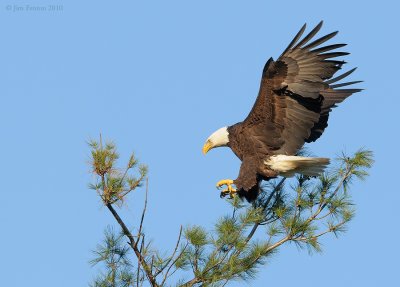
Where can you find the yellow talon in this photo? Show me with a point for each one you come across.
(229, 189)
(222, 182)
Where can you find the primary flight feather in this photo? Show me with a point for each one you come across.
(297, 92)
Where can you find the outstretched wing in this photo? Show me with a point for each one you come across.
(296, 95)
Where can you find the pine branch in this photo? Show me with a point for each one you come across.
(133, 244)
(322, 205)
(227, 253)
(290, 214)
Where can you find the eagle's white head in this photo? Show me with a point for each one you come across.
(217, 139)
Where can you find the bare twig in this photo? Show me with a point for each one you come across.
(172, 256)
(226, 282)
(138, 274)
(173, 263)
(144, 212)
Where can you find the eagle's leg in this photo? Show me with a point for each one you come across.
(228, 190)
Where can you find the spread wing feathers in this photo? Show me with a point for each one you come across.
(306, 68)
(297, 93)
(332, 96)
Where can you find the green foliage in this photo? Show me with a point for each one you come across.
(196, 235)
(299, 210)
(114, 183)
(114, 254)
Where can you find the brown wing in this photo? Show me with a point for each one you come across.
(296, 96)
(332, 96)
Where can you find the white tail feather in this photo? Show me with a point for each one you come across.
(288, 166)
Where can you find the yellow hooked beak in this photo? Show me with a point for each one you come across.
(207, 146)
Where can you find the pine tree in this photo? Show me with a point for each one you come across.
(299, 210)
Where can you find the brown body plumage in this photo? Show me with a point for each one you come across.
(296, 94)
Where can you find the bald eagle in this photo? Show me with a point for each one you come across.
(296, 94)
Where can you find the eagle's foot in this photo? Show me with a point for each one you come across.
(229, 190)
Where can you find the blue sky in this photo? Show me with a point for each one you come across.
(158, 77)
